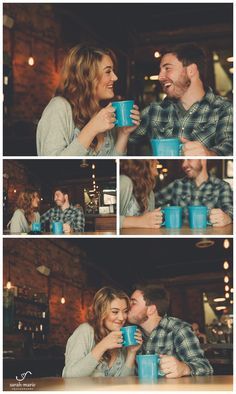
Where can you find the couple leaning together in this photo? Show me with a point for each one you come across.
(141, 207)
(81, 121)
(95, 348)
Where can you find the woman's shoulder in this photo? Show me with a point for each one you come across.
(126, 181)
(59, 103)
(18, 213)
(84, 329)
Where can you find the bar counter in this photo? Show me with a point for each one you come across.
(130, 383)
(185, 230)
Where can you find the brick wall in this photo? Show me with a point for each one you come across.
(65, 262)
(34, 24)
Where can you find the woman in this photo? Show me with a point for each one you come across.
(26, 212)
(74, 122)
(137, 200)
(95, 348)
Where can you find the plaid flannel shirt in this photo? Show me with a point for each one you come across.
(209, 121)
(174, 337)
(214, 193)
(72, 215)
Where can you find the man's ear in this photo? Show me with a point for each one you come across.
(192, 70)
(151, 310)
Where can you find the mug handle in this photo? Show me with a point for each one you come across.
(208, 221)
(180, 148)
(160, 373)
(163, 223)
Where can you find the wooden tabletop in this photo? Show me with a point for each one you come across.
(98, 232)
(130, 383)
(185, 230)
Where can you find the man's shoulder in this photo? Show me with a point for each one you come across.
(76, 208)
(218, 182)
(175, 324)
(218, 101)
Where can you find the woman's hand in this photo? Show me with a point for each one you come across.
(113, 340)
(135, 116)
(103, 121)
(139, 339)
(151, 219)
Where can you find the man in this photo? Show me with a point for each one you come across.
(199, 188)
(72, 217)
(171, 338)
(191, 111)
(196, 330)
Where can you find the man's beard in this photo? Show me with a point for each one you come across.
(180, 87)
(138, 319)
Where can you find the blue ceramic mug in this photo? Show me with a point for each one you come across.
(128, 335)
(57, 228)
(197, 216)
(166, 147)
(36, 227)
(123, 109)
(172, 217)
(148, 366)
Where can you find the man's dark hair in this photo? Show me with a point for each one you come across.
(156, 295)
(188, 54)
(61, 189)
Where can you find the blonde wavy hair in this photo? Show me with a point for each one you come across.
(79, 78)
(100, 309)
(24, 202)
(140, 172)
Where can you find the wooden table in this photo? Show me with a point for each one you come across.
(44, 234)
(130, 383)
(185, 230)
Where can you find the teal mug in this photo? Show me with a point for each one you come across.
(173, 217)
(198, 216)
(36, 227)
(57, 228)
(166, 147)
(122, 111)
(148, 366)
(128, 335)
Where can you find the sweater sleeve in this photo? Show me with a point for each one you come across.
(18, 223)
(79, 360)
(55, 131)
(126, 191)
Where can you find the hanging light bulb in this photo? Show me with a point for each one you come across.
(226, 244)
(8, 285)
(226, 279)
(226, 288)
(226, 265)
(63, 300)
(93, 166)
(31, 61)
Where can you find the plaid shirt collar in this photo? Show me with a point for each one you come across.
(210, 180)
(208, 98)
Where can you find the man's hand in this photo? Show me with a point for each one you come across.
(219, 218)
(195, 148)
(172, 367)
(67, 228)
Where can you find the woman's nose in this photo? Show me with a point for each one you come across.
(114, 77)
